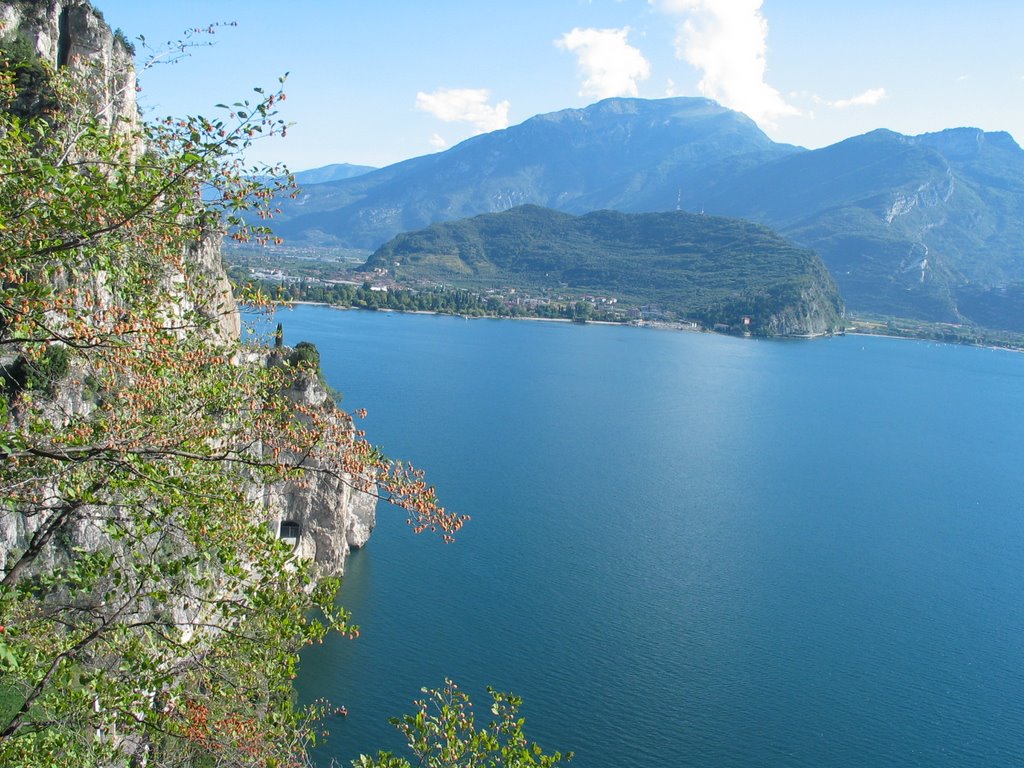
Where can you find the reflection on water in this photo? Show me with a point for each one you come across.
(689, 549)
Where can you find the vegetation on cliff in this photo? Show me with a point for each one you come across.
(148, 615)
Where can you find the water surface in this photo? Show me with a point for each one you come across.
(687, 549)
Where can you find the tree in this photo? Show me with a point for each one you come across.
(147, 613)
(442, 733)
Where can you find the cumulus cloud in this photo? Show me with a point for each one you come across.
(465, 105)
(727, 41)
(869, 98)
(609, 65)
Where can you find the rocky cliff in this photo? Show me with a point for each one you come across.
(173, 501)
(324, 515)
(70, 33)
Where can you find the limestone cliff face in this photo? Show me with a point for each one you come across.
(71, 33)
(325, 515)
(816, 311)
(204, 260)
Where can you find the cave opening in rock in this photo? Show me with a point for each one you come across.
(290, 532)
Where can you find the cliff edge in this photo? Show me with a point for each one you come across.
(324, 515)
(176, 504)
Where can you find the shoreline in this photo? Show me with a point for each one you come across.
(657, 326)
(994, 347)
(650, 325)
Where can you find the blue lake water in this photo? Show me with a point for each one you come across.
(686, 549)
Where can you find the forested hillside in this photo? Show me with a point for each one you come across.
(706, 268)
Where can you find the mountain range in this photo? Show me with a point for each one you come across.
(928, 227)
(334, 172)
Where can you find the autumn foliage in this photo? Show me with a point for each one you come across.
(148, 613)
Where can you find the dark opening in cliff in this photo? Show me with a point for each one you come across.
(63, 39)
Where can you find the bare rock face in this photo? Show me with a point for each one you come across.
(205, 262)
(326, 516)
(71, 33)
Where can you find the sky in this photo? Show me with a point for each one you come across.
(373, 82)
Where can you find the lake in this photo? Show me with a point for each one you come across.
(689, 549)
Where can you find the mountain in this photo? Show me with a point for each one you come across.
(334, 172)
(625, 154)
(918, 226)
(928, 227)
(707, 268)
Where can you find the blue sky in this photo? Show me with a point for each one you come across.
(378, 81)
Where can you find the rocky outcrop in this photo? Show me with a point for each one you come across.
(327, 514)
(815, 310)
(204, 260)
(812, 315)
(71, 33)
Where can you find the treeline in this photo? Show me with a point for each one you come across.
(449, 301)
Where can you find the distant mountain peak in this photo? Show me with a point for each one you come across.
(904, 222)
(966, 141)
(678, 107)
(621, 153)
(333, 172)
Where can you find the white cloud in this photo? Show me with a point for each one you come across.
(670, 88)
(609, 65)
(727, 41)
(437, 140)
(464, 105)
(869, 98)
(962, 78)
